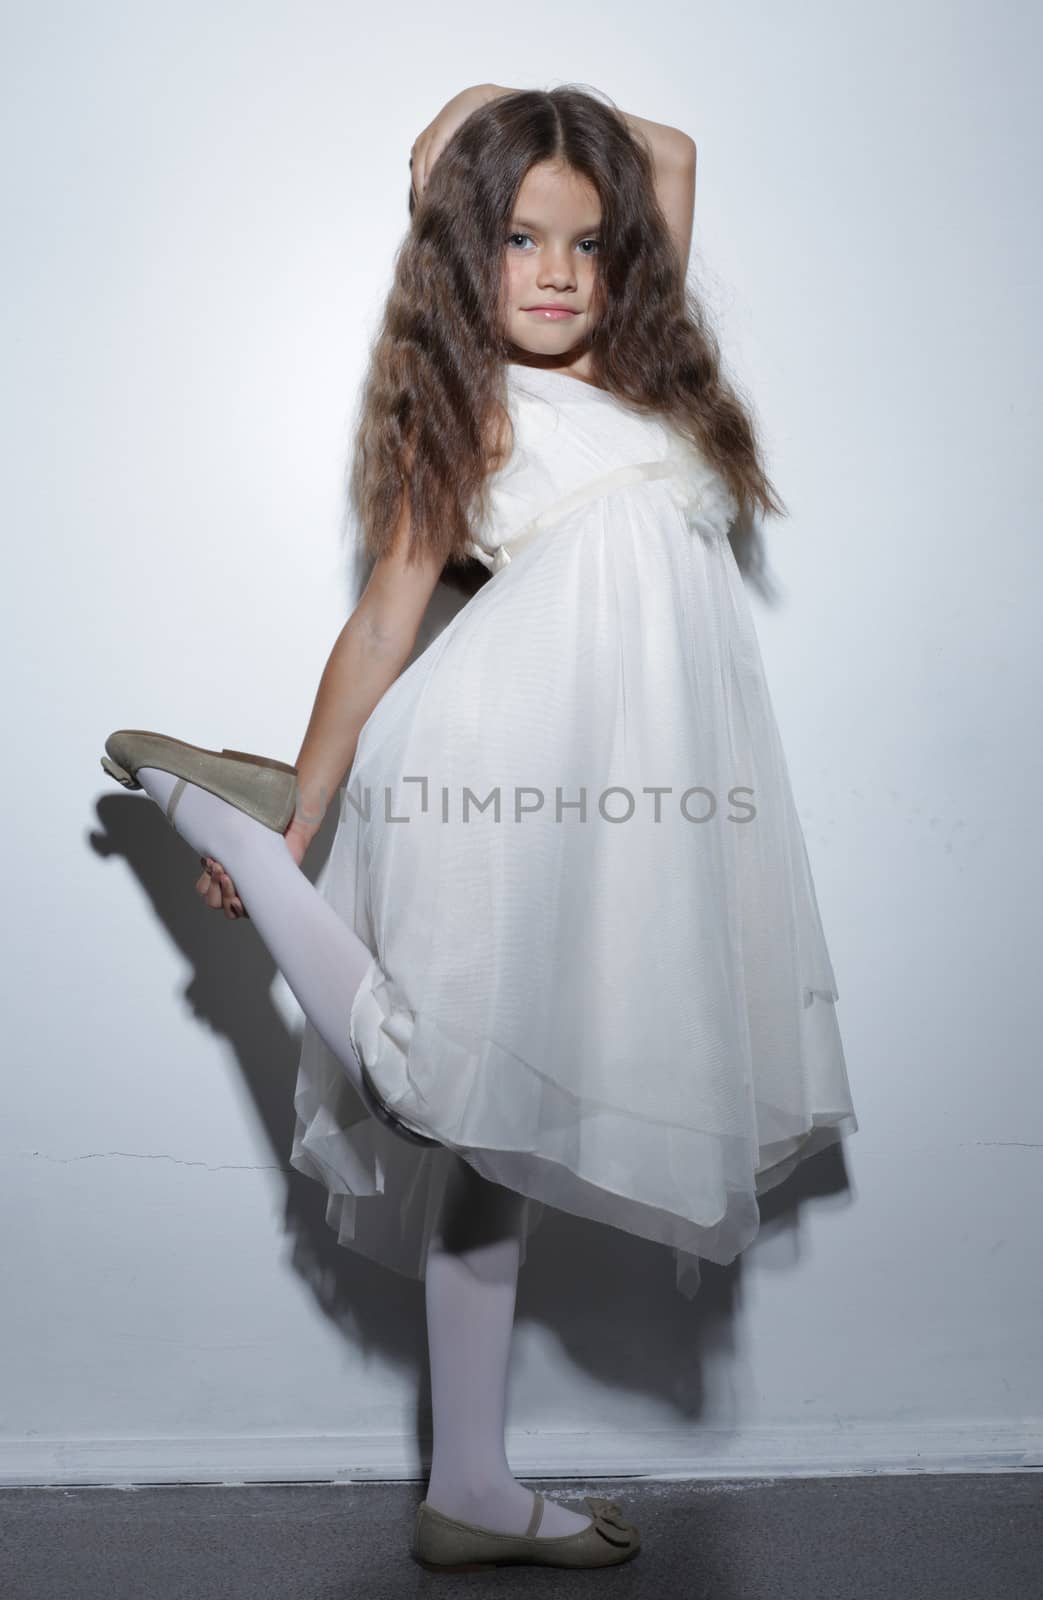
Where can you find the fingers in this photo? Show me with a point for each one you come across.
(420, 162)
(209, 889)
(233, 906)
(226, 895)
(218, 890)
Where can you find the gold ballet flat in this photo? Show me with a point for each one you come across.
(443, 1544)
(265, 789)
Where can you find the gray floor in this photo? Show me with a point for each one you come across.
(911, 1537)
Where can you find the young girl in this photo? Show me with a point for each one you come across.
(568, 949)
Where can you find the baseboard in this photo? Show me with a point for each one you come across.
(692, 1452)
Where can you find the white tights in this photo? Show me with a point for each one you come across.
(472, 1265)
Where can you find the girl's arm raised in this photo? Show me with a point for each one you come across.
(673, 155)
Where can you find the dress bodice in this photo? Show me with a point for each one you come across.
(574, 443)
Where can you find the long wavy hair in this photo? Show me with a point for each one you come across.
(433, 419)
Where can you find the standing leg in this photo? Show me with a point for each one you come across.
(470, 1286)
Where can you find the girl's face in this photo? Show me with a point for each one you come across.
(549, 254)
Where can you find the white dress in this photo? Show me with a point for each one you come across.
(625, 1012)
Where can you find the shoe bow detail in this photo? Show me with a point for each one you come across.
(609, 1521)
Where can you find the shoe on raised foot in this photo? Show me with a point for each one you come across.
(443, 1544)
(265, 789)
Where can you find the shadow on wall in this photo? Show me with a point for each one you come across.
(609, 1297)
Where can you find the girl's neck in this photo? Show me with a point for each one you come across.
(559, 369)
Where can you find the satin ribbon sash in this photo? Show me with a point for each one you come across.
(669, 466)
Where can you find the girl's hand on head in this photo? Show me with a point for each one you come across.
(429, 144)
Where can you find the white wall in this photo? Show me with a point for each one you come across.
(201, 204)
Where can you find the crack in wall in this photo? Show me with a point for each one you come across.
(144, 1155)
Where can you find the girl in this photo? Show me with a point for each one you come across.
(568, 950)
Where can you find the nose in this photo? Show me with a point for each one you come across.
(556, 269)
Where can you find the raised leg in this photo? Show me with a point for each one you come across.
(471, 1287)
(321, 958)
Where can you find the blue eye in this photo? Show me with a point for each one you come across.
(595, 242)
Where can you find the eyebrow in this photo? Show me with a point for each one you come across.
(523, 222)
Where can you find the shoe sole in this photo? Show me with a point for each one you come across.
(522, 1561)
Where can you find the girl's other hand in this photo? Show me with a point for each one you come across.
(429, 145)
(219, 892)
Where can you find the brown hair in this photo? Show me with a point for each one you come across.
(433, 402)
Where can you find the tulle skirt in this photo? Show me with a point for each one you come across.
(599, 972)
